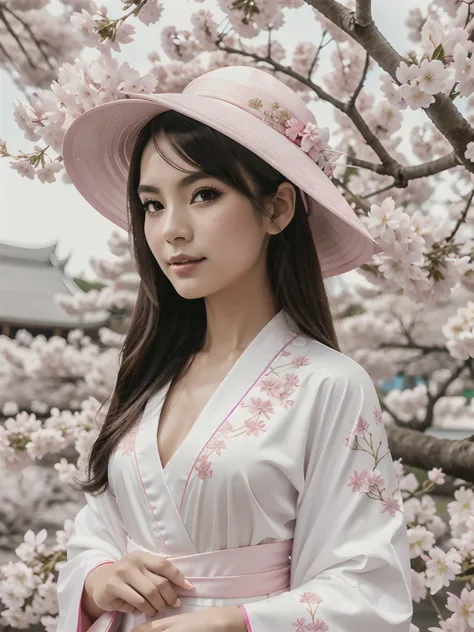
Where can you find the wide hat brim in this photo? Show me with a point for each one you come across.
(97, 149)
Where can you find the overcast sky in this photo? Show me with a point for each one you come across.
(35, 214)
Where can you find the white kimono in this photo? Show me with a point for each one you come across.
(282, 500)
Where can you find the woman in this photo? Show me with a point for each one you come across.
(241, 450)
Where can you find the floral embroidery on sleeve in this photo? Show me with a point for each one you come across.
(277, 387)
(371, 482)
(315, 625)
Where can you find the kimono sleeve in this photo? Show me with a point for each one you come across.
(350, 565)
(98, 538)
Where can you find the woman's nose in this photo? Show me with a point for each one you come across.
(176, 225)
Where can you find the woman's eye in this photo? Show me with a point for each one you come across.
(207, 194)
(146, 203)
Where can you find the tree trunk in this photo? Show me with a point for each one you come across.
(456, 458)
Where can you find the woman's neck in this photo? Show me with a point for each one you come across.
(232, 326)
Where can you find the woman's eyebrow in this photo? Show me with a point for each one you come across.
(189, 179)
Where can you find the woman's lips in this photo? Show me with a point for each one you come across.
(185, 268)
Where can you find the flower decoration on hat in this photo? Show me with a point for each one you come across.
(312, 139)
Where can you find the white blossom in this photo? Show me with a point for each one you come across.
(441, 568)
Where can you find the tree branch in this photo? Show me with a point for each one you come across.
(16, 38)
(432, 399)
(442, 112)
(378, 191)
(414, 346)
(414, 172)
(359, 202)
(351, 103)
(462, 218)
(389, 166)
(431, 168)
(363, 12)
(38, 43)
(426, 452)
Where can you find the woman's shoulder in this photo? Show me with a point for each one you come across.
(327, 364)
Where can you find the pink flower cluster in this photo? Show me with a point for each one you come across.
(311, 138)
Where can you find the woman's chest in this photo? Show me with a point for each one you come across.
(184, 404)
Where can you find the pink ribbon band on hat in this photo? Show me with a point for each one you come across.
(245, 571)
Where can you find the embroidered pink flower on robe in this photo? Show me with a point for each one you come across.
(317, 625)
(378, 415)
(361, 426)
(310, 597)
(371, 482)
(391, 504)
(278, 384)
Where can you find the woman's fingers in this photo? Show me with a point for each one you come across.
(164, 587)
(139, 592)
(165, 568)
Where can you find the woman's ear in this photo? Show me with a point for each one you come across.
(282, 208)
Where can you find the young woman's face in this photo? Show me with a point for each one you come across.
(202, 218)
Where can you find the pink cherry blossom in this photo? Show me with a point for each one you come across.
(295, 128)
(432, 76)
(313, 137)
(300, 361)
(254, 427)
(216, 445)
(291, 382)
(463, 607)
(360, 427)
(24, 168)
(437, 476)
(203, 469)
(310, 597)
(464, 68)
(300, 625)
(373, 482)
(416, 97)
(391, 505)
(356, 481)
(378, 415)
(225, 429)
(261, 407)
(469, 154)
(406, 73)
(270, 385)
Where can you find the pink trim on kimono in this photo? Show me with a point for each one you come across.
(83, 620)
(243, 610)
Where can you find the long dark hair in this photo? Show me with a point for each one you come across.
(166, 330)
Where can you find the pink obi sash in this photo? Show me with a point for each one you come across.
(245, 571)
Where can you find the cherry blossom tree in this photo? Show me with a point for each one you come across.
(405, 161)
(32, 42)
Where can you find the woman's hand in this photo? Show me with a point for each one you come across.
(139, 583)
(218, 619)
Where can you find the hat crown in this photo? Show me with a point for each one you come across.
(249, 87)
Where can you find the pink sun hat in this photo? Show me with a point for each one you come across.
(248, 105)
